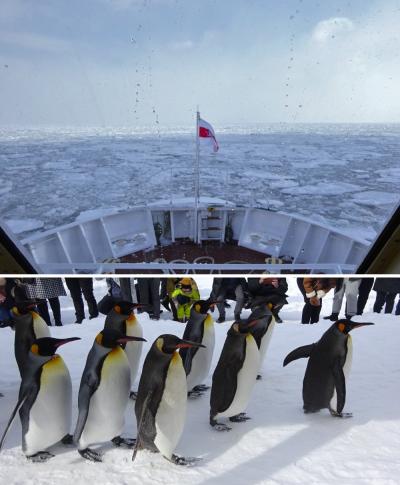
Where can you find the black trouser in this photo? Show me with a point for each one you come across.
(149, 295)
(384, 298)
(43, 310)
(239, 298)
(363, 292)
(310, 312)
(76, 287)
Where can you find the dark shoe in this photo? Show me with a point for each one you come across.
(58, 324)
(333, 318)
(153, 317)
(221, 320)
(93, 316)
(79, 320)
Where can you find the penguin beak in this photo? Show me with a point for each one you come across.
(360, 324)
(185, 344)
(124, 340)
(63, 341)
(252, 323)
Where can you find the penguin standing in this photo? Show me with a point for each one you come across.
(29, 326)
(160, 406)
(45, 399)
(122, 319)
(104, 394)
(197, 360)
(324, 384)
(235, 375)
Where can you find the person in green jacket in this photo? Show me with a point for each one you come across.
(185, 294)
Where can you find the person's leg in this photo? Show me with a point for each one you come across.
(144, 294)
(239, 301)
(43, 311)
(363, 292)
(221, 306)
(389, 302)
(125, 286)
(74, 288)
(315, 312)
(306, 313)
(397, 312)
(155, 297)
(351, 292)
(56, 309)
(86, 285)
(337, 301)
(379, 301)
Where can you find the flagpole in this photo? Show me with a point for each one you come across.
(197, 176)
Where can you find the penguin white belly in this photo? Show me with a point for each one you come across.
(171, 412)
(105, 419)
(245, 380)
(201, 362)
(50, 414)
(346, 371)
(133, 350)
(40, 327)
(265, 341)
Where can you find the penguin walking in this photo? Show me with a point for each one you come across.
(45, 399)
(104, 394)
(160, 406)
(122, 319)
(235, 375)
(329, 362)
(197, 360)
(29, 326)
(262, 330)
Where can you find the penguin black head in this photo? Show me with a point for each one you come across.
(22, 302)
(111, 338)
(47, 346)
(169, 343)
(245, 326)
(125, 307)
(203, 306)
(345, 325)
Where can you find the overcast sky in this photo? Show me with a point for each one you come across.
(130, 62)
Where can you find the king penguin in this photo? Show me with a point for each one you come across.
(45, 399)
(197, 360)
(29, 326)
(329, 362)
(160, 406)
(235, 375)
(122, 318)
(262, 330)
(103, 394)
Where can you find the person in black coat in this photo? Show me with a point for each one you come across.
(229, 289)
(386, 291)
(363, 292)
(6, 300)
(267, 290)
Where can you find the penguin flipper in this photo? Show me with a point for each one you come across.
(340, 385)
(86, 391)
(299, 353)
(18, 406)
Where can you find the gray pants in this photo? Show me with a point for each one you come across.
(350, 289)
(239, 303)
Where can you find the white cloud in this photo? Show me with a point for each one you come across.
(330, 28)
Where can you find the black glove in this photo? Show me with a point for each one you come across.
(182, 299)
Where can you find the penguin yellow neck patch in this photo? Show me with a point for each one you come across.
(99, 338)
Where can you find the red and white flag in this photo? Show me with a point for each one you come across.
(207, 131)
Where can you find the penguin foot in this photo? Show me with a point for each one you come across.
(68, 440)
(201, 388)
(40, 457)
(340, 415)
(90, 455)
(239, 418)
(123, 442)
(194, 394)
(133, 395)
(259, 377)
(184, 461)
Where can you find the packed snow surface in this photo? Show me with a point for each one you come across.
(279, 445)
(348, 175)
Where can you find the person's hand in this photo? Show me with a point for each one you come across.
(314, 301)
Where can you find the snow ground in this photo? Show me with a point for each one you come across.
(348, 175)
(279, 445)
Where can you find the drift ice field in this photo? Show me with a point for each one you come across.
(279, 445)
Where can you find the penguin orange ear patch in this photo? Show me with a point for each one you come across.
(35, 349)
(117, 308)
(99, 338)
(341, 327)
(197, 308)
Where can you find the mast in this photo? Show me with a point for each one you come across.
(197, 178)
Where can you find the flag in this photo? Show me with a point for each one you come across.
(207, 131)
